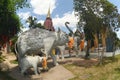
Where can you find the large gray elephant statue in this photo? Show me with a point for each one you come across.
(32, 41)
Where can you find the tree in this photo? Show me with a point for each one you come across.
(98, 16)
(33, 22)
(86, 11)
(9, 20)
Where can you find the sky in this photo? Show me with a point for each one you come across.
(61, 11)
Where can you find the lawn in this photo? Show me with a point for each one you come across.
(90, 70)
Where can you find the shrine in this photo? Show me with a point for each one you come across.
(48, 24)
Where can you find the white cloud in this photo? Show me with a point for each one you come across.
(41, 21)
(41, 6)
(119, 10)
(118, 34)
(24, 15)
(68, 17)
(24, 29)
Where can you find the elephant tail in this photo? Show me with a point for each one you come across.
(16, 50)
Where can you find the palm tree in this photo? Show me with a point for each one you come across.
(33, 23)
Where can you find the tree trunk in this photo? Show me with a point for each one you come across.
(95, 40)
(88, 48)
(103, 35)
(103, 39)
(7, 48)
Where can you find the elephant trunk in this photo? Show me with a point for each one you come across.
(66, 24)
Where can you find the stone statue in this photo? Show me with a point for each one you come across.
(32, 41)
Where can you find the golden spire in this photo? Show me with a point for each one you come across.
(48, 14)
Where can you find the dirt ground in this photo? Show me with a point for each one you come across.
(54, 73)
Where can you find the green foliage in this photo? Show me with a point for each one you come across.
(96, 14)
(14, 39)
(39, 26)
(1, 59)
(33, 22)
(108, 7)
(86, 13)
(9, 20)
(20, 4)
(111, 18)
(14, 61)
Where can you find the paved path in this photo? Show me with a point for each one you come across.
(57, 73)
(95, 54)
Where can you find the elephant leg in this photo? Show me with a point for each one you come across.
(23, 70)
(35, 69)
(62, 51)
(76, 51)
(48, 45)
(54, 59)
(62, 55)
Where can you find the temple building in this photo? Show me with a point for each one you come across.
(48, 24)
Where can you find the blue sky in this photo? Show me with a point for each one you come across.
(61, 11)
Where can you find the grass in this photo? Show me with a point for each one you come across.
(110, 70)
(14, 61)
(2, 58)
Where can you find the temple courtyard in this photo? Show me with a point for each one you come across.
(66, 70)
